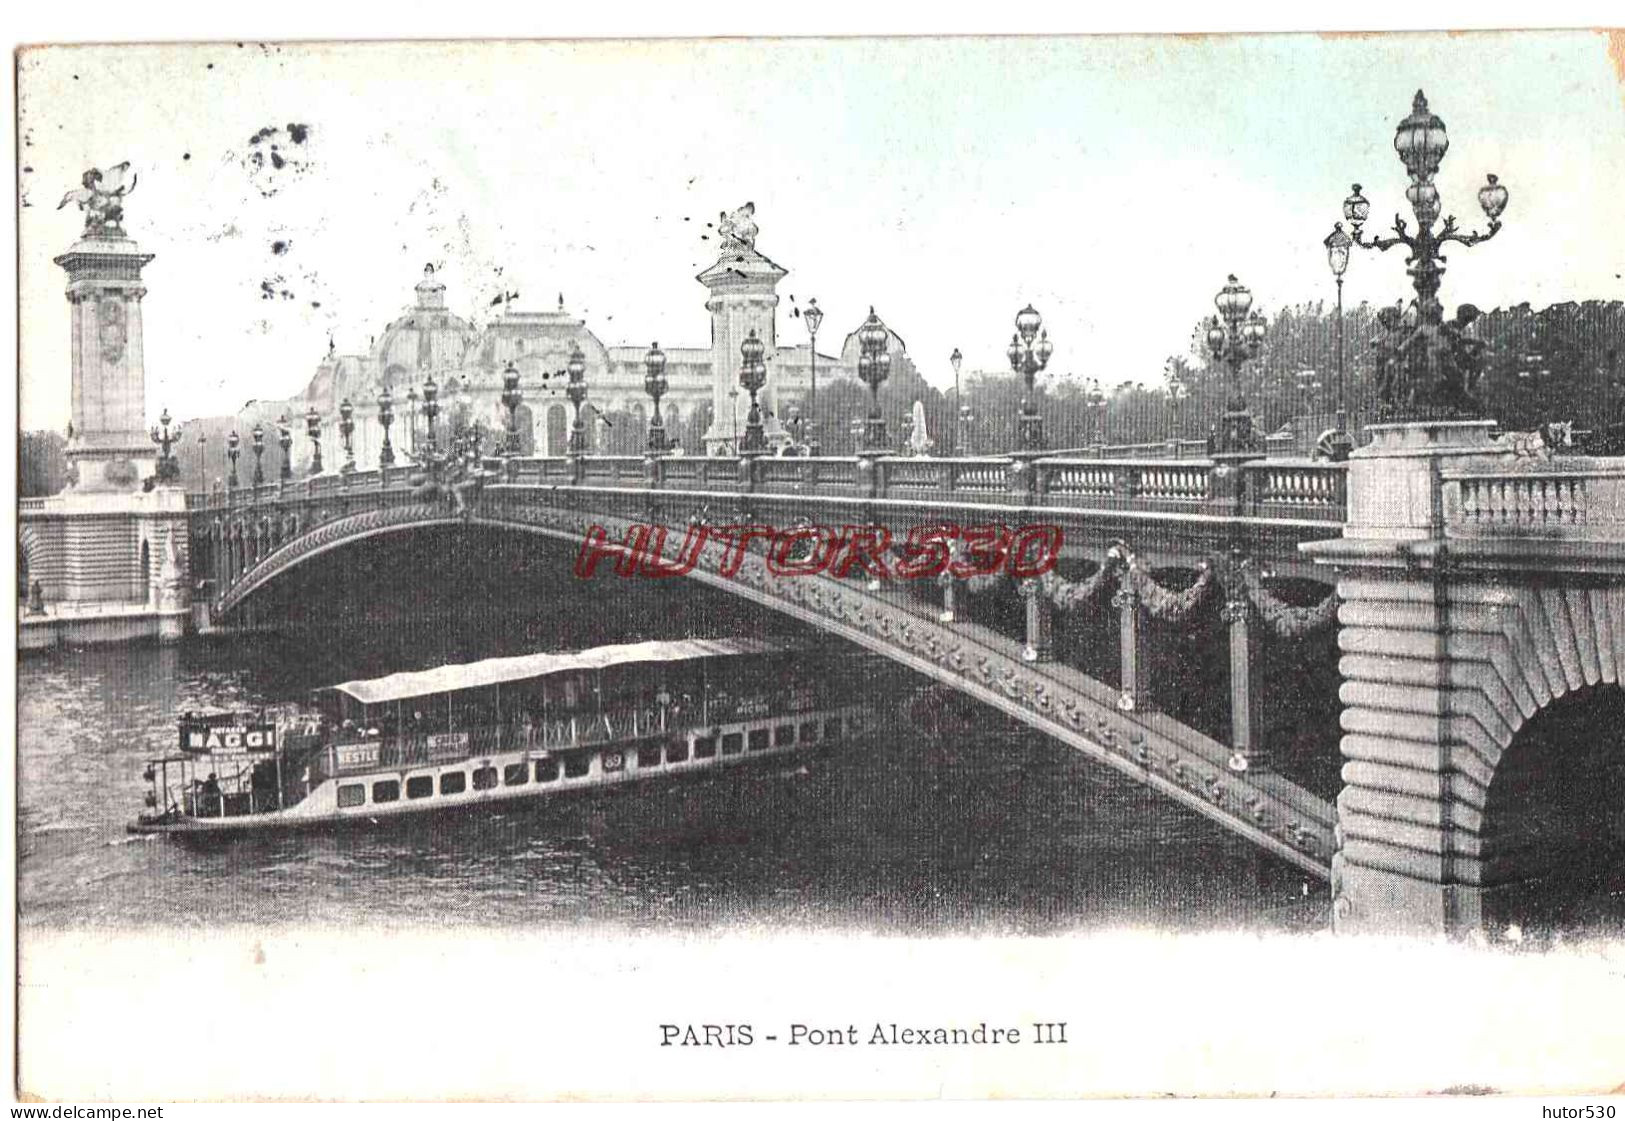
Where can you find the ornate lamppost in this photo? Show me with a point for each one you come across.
(511, 400)
(284, 439)
(1337, 257)
(1428, 368)
(966, 420)
(576, 391)
(202, 462)
(1234, 336)
(347, 430)
(411, 417)
(258, 433)
(386, 417)
(166, 437)
(813, 316)
(233, 450)
(431, 409)
(654, 384)
(1094, 401)
(874, 367)
(954, 360)
(1176, 401)
(313, 429)
(465, 433)
(1029, 353)
(752, 376)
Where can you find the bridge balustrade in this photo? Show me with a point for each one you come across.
(1584, 504)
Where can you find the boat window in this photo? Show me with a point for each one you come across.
(733, 743)
(454, 782)
(677, 751)
(353, 794)
(809, 732)
(784, 735)
(547, 770)
(420, 786)
(515, 774)
(649, 755)
(485, 778)
(705, 747)
(387, 791)
(758, 739)
(832, 728)
(575, 764)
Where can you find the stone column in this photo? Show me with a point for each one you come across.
(1038, 648)
(111, 451)
(742, 285)
(1135, 671)
(1246, 709)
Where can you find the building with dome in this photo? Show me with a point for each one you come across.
(466, 360)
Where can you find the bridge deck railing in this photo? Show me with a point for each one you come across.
(1270, 488)
(1582, 501)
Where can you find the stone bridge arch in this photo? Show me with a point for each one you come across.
(1061, 701)
(1442, 679)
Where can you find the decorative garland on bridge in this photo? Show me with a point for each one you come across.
(1074, 595)
(1162, 604)
(1283, 618)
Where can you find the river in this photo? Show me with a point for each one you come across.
(990, 829)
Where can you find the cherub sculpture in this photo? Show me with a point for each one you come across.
(102, 198)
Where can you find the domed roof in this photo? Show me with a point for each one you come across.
(426, 339)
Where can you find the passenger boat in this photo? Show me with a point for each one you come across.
(504, 730)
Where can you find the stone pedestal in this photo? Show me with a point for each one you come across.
(110, 450)
(1414, 781)
(742, 285)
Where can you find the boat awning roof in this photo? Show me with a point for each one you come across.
(496, 671)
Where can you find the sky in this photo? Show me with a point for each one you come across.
(1112, 182)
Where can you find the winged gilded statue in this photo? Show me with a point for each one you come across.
(102, 197)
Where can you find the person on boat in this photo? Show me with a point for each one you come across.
(529, 729)
(211, 795)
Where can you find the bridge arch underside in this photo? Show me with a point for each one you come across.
(1062, 701)
(1484, 754)
(1553, 833)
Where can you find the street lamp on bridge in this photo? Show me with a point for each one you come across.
(1337, 258)
(411, 418)
(258, 433)
(1428, 369)
(313, 429)
(874, 366)
(386, 417)
(654, 384)
(813, 316)
(166, 437)
(431, 409)
(1029, 353)
(202, 462)
(752, 376)
(512, 398)
(954, 360)
(1233, 336)
(347, 430)
(1094, 402)
(284, 439)
(576, 391)
(233, 450)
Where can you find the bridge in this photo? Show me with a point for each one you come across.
(1475, 591)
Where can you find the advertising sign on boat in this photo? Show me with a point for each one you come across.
(448, 745)
(204, 736)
